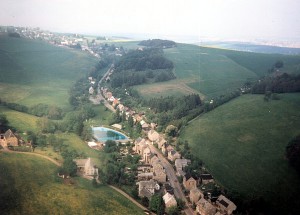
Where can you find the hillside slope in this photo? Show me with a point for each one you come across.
(29, 186)
(33, 71)
(213, 72)
(243, 145)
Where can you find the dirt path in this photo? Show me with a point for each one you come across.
(129, 197)
(58, 164)
(35, 154)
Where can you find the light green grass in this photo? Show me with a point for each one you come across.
(35, 72)
(21, 121)
(213, 72)
(243, 144)
(39, 192)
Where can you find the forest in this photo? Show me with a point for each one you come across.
(158, 43)
(284, 83)
(142, 66)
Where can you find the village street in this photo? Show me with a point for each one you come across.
(99, 97)
(172, 178)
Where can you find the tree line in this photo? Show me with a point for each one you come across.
(40, 110)
(141, 66)
(158, 43)
(285, 83)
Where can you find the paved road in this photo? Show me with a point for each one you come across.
(172, 178)
(99, 95)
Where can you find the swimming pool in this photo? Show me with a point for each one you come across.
(103, 134)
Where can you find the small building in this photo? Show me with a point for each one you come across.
(189, 182)
(145, 176)
(195, 195)
(91, 90)
(147, 188)
(173, 155)
(206, 178)
(225, 205)
(161, 141)
(180, 164)
(203, 207)
(9, 139)
(169, 200)
(159, 172)
(118, 126)
(146, 155)
(87, 167)
(153, 136)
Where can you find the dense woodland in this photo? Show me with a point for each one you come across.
(158, 43)
(141, 66)
(284, 83)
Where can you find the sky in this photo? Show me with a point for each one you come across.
(224, 19)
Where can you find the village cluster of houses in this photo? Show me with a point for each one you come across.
(10, 139)
(151, 174)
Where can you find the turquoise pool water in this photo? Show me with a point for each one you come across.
(103, 134)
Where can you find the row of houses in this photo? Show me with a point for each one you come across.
(152, 176)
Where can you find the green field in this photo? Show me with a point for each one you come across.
(30, 184)
(33, 71)
(243, 145)
(213, 72)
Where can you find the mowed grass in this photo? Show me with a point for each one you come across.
(40, 192)
(243, 145)
(35, 72)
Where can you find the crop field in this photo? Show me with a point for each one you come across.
(31, 186)
(243, 145)
(33, 72)
(213, 72)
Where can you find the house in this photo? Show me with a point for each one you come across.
(145, 126)
(203, 207)
(9, 139)
(115, 102)
(206, 178)
(161, 141)
(180, 164)
(108, 95)
(225, 205)
(195, 195)
(146, 155)
(91, 90)
(154, 159)
(169, 200)
(145, 176)
(153, 136)
(159, 173)
(139, 145)
(189, 182)
(166, 148)
(87, 167)
(147, 188)
(173, 155)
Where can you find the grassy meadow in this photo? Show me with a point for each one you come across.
(30, 184)
(213, 72)
(33, 71)
(243, 145)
